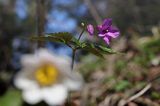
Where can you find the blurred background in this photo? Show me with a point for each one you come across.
(111, 79)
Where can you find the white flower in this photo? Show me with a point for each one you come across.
(46, 76)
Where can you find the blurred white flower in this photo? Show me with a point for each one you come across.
(46, 76)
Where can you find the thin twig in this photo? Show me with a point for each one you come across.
(137, 95)
(156, 78)
(145, 89)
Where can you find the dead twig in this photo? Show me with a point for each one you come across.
(145, 89)
(123, 102)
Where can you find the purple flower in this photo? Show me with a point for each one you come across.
(90, 29)
(107, 31)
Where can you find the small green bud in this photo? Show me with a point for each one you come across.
(82, 24)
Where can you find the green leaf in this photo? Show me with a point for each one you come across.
(98, 50)
(92, 49)
(11, 98)
(61, 37)
(75, 42)
(105, 49)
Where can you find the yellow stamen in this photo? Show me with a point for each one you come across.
(46, 75)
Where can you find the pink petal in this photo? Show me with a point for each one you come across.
(113, 29)
(107, 22)
(106, 39)
(90, 29)
(113, 35)
(101, 35)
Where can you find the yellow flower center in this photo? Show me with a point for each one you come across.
(46, 75)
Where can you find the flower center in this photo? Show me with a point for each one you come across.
(107, 30)
(46, 75)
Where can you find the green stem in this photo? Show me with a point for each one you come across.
(72, 64)
(73, 57)
(81, 34)
(74, 49)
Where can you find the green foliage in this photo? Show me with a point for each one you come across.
(68, 39)
(65, 36)
(155, 95)
(11, 98)
(122, 85)
(76, 43)
(120, 65)
(143, 60)
(99, 50)
(105, 49)
(152, 46)
(61, 37)
(92, 49)
(148, 52)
